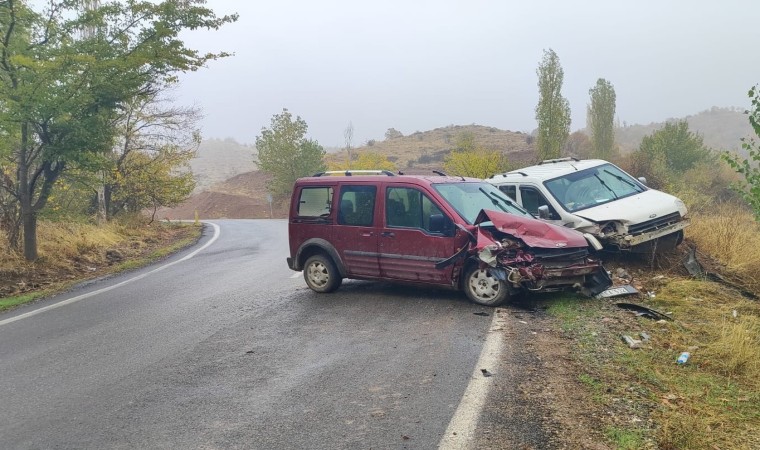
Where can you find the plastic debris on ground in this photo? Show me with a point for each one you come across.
(618, 291)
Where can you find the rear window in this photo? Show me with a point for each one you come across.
(315, 201)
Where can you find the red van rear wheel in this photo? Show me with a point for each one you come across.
(320, 274)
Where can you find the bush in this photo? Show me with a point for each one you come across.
(748, 168)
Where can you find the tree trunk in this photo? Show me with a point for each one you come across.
(29, 220)
(28, 215)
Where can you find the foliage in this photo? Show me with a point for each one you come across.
(286, 154)
(748, 168)
(469, 159)
(148, 180)
(601, 116)
(64, 75)
(578, 145)
(553, 110)
(665, 155)
(393, 133)
(166, 138)
(366, 161)
(465, 142)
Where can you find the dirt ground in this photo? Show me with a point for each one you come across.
(240, 197)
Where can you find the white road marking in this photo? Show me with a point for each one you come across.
(460, 433)
(109, 288)
(297, 275)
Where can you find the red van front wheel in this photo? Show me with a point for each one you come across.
(482, 287)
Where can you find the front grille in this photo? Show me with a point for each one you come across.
(654, 224)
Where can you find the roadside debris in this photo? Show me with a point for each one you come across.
(696, 270)
(618, 291)
(649, 313)
(486, 373)
(481, 313)
(631, 342)
(683, 357)
(644, 336)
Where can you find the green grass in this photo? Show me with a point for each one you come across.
(625, 439)
(12, 302)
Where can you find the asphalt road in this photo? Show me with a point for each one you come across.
(227, 349)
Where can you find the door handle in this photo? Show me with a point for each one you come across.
(388, 234)
(368, 234)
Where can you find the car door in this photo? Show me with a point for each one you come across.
(355, 234)
(409, 247)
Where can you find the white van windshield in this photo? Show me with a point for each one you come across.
(468, 199)
(592, 187)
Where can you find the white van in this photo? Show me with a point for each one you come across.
(595, 196)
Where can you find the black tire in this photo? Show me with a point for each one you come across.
(320, 274)
(483, 288)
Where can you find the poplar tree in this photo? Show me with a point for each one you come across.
(553, 110)
(601, 116)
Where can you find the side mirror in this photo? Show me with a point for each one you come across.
(440, 224)
(543, 212)
(643, 180)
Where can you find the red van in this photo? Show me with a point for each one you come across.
(437, 230)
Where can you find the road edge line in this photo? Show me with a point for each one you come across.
(460, 433)
(69, 301)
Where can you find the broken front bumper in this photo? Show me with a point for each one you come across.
(628, 241)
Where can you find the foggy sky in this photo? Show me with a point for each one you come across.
(419, 65)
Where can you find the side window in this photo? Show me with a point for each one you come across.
(510, 191)
(315, 202)
(532, 199)
(410, 208)
(357, 205)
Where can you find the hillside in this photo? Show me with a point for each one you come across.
(721, 128)
(243, 196)
(218, 160)
(426, 150)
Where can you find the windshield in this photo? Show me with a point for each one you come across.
(468, 199)
(592, 187)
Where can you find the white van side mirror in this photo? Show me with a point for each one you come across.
(643, 180)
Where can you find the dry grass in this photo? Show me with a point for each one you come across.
(730, 235)
(714, 400)
(70, 252)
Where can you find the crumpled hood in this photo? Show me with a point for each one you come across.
(634, 209)
(534, 232)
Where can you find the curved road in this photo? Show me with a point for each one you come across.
(227, 349)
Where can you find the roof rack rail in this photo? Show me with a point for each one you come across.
(550, 161)
(349, 173)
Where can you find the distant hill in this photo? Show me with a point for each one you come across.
(220, 159)
(427, 149)
(721, 128)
